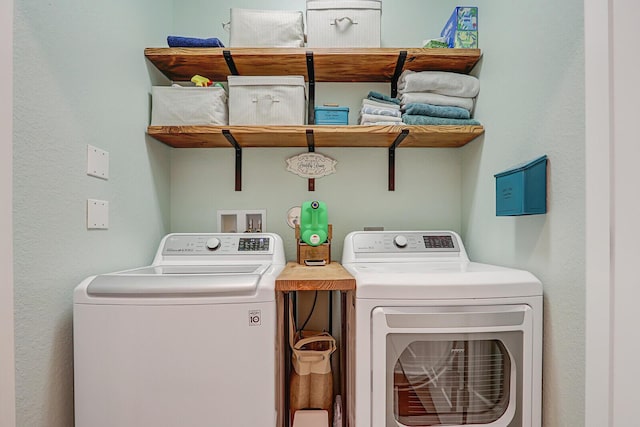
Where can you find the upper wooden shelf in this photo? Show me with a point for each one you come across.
(324, 136)
(330, 64)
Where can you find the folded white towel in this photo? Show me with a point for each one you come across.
(379, 118)
(436, 99)
(370, 109)
(442, 82)
(380, 104)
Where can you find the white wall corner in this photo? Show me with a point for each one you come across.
(7, 364)
(598, 205)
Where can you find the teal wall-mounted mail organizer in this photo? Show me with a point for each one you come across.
(522, 189)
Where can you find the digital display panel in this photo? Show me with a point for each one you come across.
(253, 244)
(434, 242)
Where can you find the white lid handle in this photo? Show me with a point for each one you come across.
(336, 21)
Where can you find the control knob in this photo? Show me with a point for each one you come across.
(213, 243)
(400, 241)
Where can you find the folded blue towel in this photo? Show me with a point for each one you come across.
(377, 96)
(178, 41)
(437, 111)
(411, 119)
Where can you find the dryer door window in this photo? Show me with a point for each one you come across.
(456, 382)
(450, 366)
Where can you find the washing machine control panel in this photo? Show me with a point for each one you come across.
(223, 244)
(394, 242)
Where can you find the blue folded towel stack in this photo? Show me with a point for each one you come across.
(179, 41)
(437, 111)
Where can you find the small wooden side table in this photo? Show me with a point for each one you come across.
(296, 277)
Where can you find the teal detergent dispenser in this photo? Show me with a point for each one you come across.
(314, 223)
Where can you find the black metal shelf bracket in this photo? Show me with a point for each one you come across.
(392, 158)
(227, 134)
(310, 141)
(229, 60)
(402, 57)
(312, 88)
(311, 145)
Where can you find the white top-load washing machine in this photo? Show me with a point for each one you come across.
(440, 340)
(188, 341)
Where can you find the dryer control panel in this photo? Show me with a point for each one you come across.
(405, 241)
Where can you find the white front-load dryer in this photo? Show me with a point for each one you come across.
(188, 341)
(440, 340)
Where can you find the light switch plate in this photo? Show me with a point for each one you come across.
(97, 162)
(97, 214)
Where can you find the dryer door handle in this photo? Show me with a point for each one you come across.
(452, 319)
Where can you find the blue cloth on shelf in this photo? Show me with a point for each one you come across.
(377, 96)
(411, 119)
(179, 41)
(437, 111)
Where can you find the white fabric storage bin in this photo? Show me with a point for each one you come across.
(266, 28)
(348, 23)
(188, 105)
(267, 100)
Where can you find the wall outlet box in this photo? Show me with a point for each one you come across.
(242, 221)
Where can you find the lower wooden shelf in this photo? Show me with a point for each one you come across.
(324, 136)
(390, 137)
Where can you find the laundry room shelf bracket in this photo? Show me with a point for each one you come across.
(402, 57)
(230, 62)
(392, 158)
(227, 134)
(311, 145)
(311, 75)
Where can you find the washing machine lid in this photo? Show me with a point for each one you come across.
(441, 280)
(196, 269)
(179, 281)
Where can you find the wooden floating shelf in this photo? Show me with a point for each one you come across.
(331, 64)
(324, 136)
(317, 65)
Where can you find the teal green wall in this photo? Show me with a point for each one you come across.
(532, 103)
(427, 194)
(80, 78)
